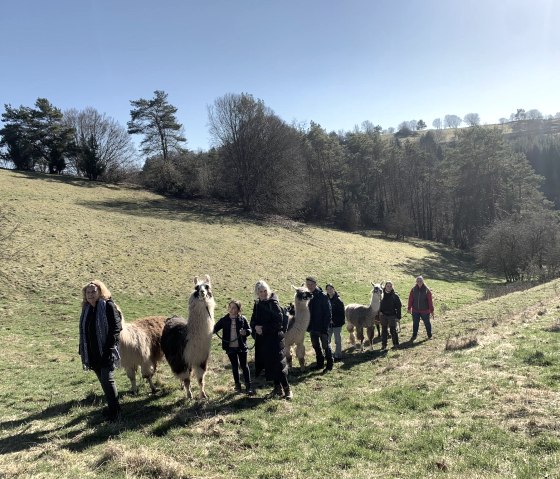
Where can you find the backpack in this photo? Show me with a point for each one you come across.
(285, 318)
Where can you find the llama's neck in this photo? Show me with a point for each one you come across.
(201, 310)
(375, 302)
(301, 307)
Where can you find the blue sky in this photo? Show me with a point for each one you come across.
(336, 63)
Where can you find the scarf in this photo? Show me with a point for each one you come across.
(101, 329)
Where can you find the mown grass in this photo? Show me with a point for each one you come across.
(420, 411)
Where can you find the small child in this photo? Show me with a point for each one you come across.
(234, 343)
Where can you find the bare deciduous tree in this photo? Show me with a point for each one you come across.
(103, 147)
(472, 119)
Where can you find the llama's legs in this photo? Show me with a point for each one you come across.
(148, 371)
(288, 350)
(131, 373)
(371, 334)
(360, 334)
(352, 336)
(187, 384)
(300, 353)
(200, 372)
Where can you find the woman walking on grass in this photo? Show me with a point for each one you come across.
(100, 326)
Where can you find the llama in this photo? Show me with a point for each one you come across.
(186, 342)
(359, 317)
(140, 346)
(297, 326)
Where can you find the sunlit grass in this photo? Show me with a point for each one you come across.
(489, 410)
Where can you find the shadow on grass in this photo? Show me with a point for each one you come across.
(445, 264)
(210, 212)
(66, 179)
(139, 414)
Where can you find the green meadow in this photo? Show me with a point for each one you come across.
(480, 400)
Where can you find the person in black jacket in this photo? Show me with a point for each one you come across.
(100, 326)
(320, 320)
(390, 312)
(234, 343)
(267, 327)
(337, 308)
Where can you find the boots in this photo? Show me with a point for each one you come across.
(288, 395)
(277, 391)
(249, 390)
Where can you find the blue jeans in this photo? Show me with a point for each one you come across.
(416, 317)
(337, 340)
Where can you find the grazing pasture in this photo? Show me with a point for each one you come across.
(490, 410)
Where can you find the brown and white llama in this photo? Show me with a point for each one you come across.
(359, 317)
(140, 346)
(297, 326)
(186, 342)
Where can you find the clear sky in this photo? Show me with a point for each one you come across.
(336, 63)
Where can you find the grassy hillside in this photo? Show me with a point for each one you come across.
(421, 411)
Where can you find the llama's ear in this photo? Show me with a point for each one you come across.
(207, 279)
(294, 287)
(195, 280)
(372, 284)
(302, 285)
(383, 285)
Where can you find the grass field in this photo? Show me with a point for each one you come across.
(430, 409)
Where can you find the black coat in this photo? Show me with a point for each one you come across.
(391, 304)
(320, 312)
(105, 358)
(269, 346)
(225, 325)
(337, 308)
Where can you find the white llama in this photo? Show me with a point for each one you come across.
(359, 317)
(298, 326)
(186, 342)
(140, 346)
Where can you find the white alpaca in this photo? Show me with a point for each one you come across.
(186, 342)
(140, 346)
(298, 326)
(359, 317)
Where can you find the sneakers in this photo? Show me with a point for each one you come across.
(249, 390)
(413, 338)
(237, 387)
(383, 347)
(277, 392)
(288, 395)
(429, 336)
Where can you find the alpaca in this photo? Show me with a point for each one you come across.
(359, 317)
(140, 345)
(297, 326)
(186, 342)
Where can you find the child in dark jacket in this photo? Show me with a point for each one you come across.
(234, 342)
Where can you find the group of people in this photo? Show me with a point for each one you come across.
(100, 326)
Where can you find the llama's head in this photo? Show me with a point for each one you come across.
(202, 289)
(377, 290)
(302, 293)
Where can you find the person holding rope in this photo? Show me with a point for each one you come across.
(267, 324)
(234, 343)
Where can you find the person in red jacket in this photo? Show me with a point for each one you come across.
(421, 307)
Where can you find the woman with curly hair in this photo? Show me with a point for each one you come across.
(100, 326)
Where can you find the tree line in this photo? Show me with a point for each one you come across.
(478, 192)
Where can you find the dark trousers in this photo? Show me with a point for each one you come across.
(389, 322)
(238, 360)
(320, 343)
(416, 317)
(106, 376)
